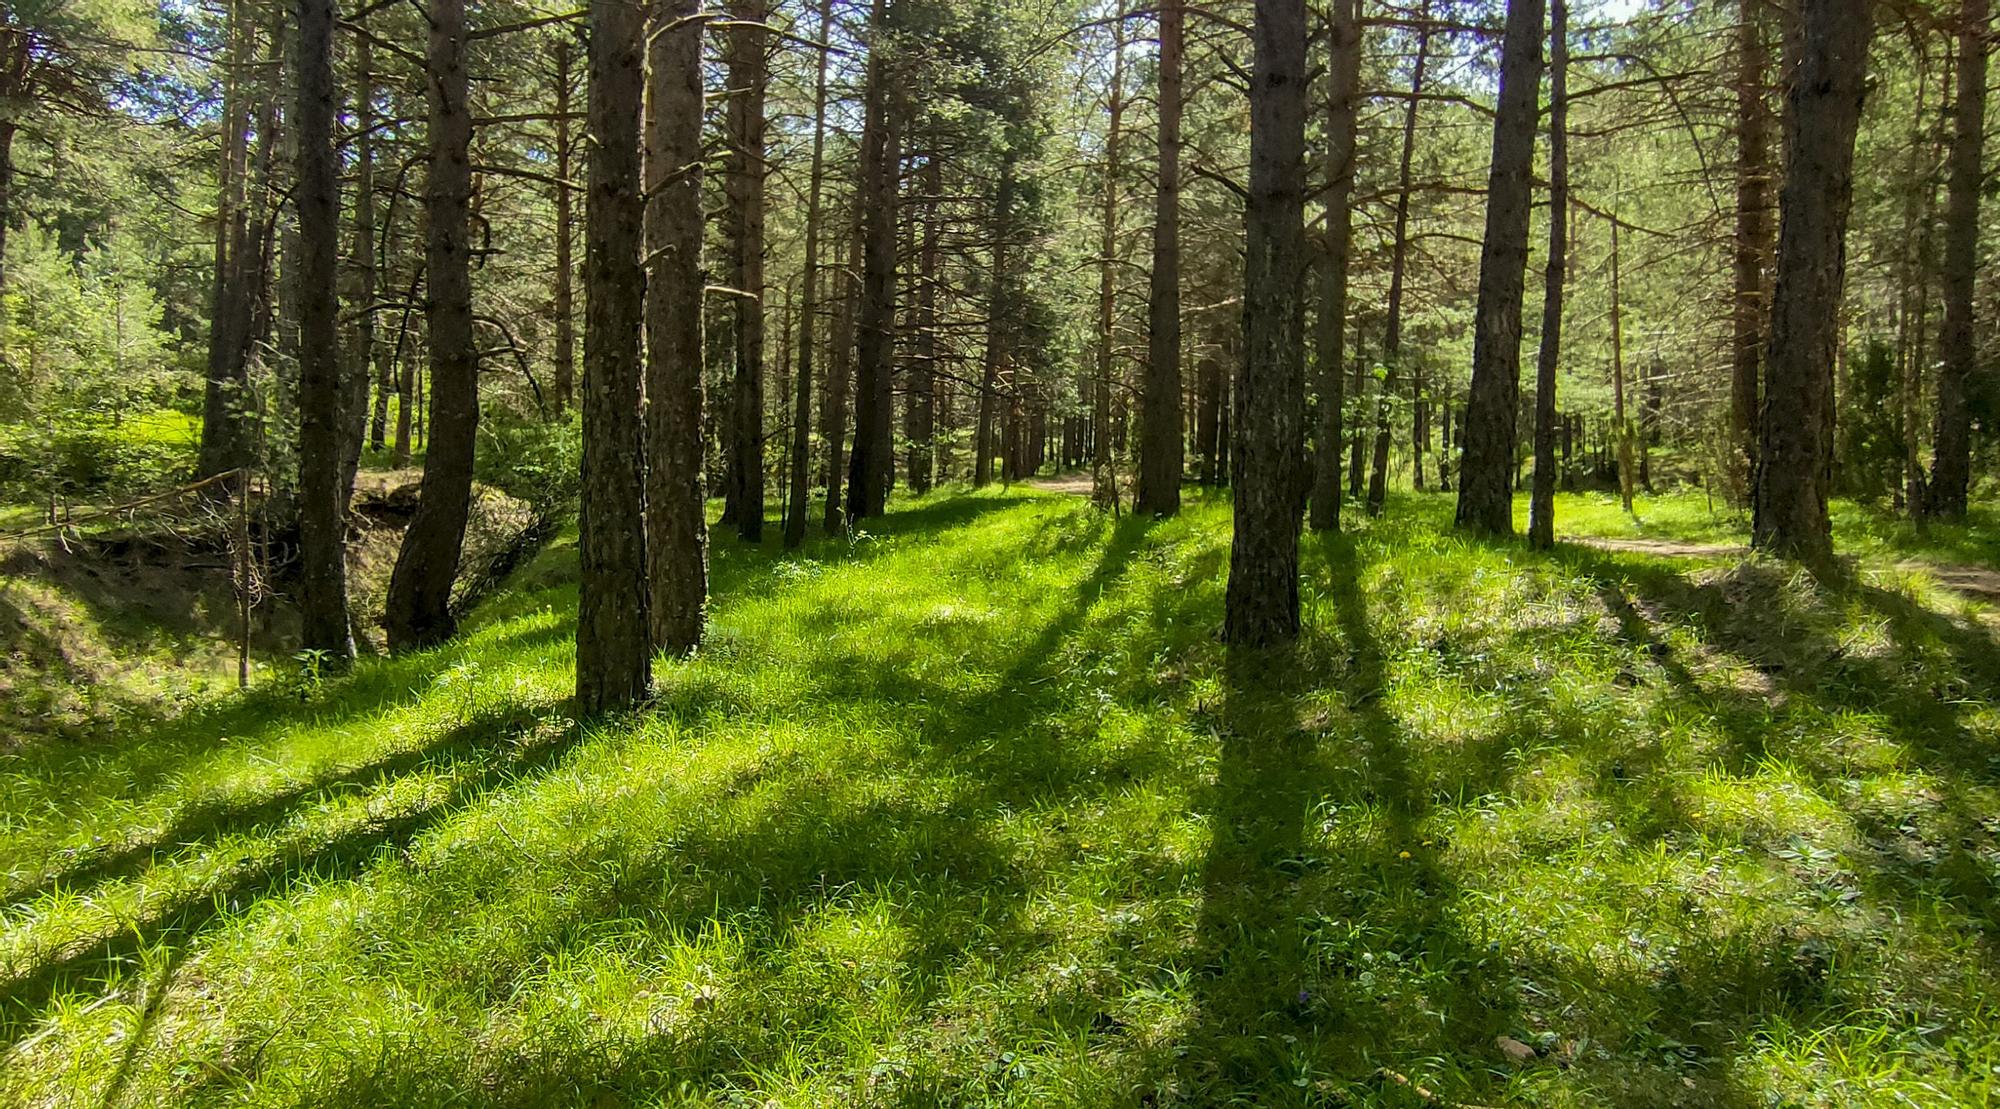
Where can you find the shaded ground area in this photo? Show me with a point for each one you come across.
(1076, 485)
(970, 808)
(122, 624)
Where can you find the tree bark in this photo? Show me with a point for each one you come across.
(1268, 465)
(1392, 334)
(997, 312)
(798, 503)
(676, 529)
(1160, 442)
(748, 78)
(1753, 230)
(614, 649)
(919, 415)
(1542, 500)
(868, 463)
(323, 401)
(1795, 424)
(1618, 417)
(419, 609)
(565, 275)
(238, 270)
(354, 388)
(1104, 484)
(1951, 460)
(1485, 479)
(840, 370)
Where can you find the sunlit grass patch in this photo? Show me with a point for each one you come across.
(973, 808)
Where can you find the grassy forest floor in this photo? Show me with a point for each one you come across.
(973, 809)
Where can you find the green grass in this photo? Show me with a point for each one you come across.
(1868, 532)
(975, 811)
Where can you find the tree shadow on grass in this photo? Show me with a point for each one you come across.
(485, 752)
(930, 839)
(165, 757)
(1768, 669)
(1325, 911)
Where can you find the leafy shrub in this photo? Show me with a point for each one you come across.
(90, 459)
(537, 461)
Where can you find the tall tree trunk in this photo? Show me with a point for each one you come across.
(919, 416)
(748, 78)
(614, 648)
(1542, 500)
(1343, 117)
(565, 275)
(238, 268)
(1485, 477)
(354, 388)
(997, 310)
(798, 503)
(382, 356)
(1392, 334)
(1160, 443)
(1912, 301)
(867, 479)
(840, 369)
(1103, 481)
(419, 610)
(676, 529)
(322, 394)
(1753, 230)
(1951, 462)
(1618, 417)
(1262, 601)
(1795, 425)
(1208, 422)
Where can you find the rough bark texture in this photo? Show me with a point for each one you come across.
(919, 413)
(1951, 464)
(361, 266)
(1268, 463)
(565, 275)
(840, 372)
(1104, 483)
(323, 401)
(1753, 230)
(748, 79)
(238, 271)
(1621, 423)
(1542, 501)
(997, 310)
(1160, 439)
(868, 464)
(799, 503)
(614, 650)
(676, 530)
(1392, 334)
(1795, 424)
(379, 363)
(1486, 472)
(419, 606)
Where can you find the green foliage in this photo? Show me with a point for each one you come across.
(95, 458)
(1871, 449)
(83, 332)
(535, 460)
(977, 812)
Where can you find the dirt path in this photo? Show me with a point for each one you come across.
(1665, 548)
(1976, 582)
(1078, 484)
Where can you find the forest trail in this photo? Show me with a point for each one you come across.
(1977, 582)
(1077, 484)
